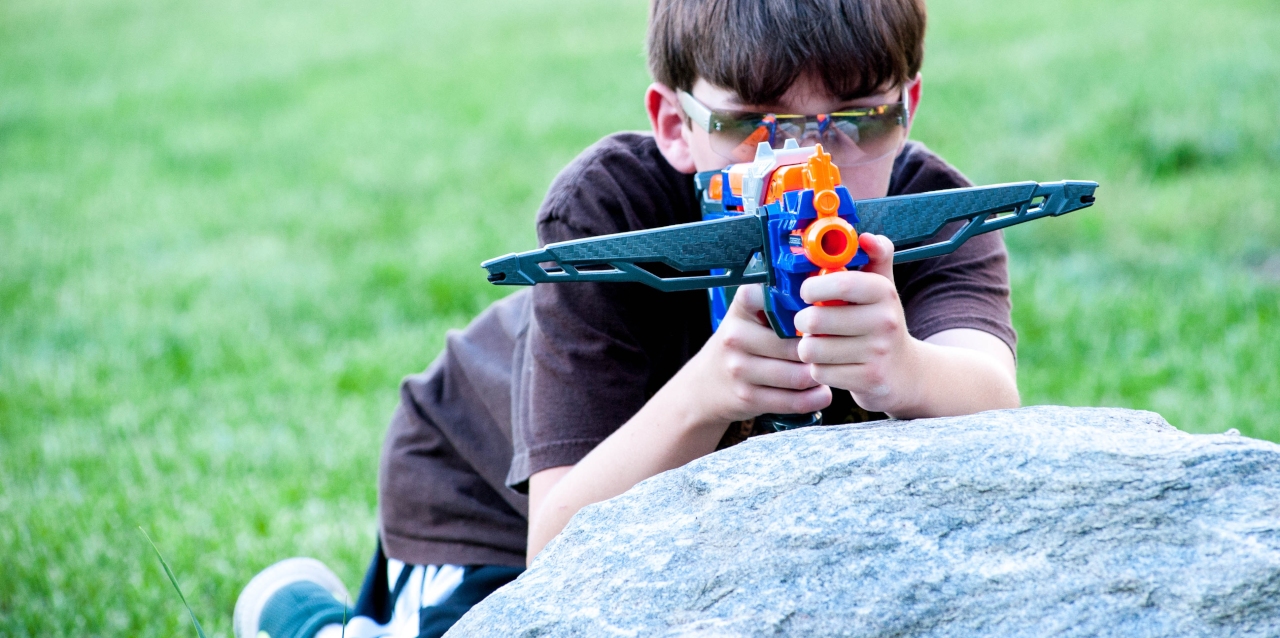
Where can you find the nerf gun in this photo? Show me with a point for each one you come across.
(779, 220)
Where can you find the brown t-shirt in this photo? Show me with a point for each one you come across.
(543, 376)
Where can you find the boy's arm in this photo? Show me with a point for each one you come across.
(744, 370)
(866, 349)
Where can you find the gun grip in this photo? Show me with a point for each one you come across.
(784, 422)
(781, 310)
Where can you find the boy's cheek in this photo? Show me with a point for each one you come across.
(704, 159)
(868, 181)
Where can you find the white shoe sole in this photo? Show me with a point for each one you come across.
(268, 581)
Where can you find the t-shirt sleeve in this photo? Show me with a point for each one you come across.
(588, 371)
(596, 352)
(968, 288)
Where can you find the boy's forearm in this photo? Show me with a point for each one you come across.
(663, 435)
(743, 370)
(954, 373)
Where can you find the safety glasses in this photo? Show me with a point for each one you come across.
(853, 137)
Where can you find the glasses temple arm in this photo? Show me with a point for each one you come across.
(695, 110)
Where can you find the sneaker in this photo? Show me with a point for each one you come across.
(293, 598)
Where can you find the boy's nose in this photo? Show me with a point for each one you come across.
(812, 132)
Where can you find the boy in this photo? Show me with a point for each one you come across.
(574, 393)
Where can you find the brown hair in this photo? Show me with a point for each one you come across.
(759, 48)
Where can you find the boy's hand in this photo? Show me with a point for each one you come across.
(863, 346)
(745, 370)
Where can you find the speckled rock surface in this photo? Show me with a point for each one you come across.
(1039, 521)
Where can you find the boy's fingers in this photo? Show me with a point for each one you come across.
(853, 286)
(774, 401)
(772, 373)
(753, 338)
(752, 332)
(748, 302)
(840, 350)
(879, 250)
(864, 381)
(844, 321)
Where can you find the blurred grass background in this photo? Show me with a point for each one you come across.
(227, 229)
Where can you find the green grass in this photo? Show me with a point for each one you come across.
(228, 229)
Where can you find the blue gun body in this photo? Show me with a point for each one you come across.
(788, 267)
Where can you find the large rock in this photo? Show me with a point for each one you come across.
(1040, 521)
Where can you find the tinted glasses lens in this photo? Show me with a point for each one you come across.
(736, 137)
(865, 136)
(852, 138)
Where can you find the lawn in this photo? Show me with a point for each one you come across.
(227, 229)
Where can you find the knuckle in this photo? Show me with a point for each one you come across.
(872, 377)
(847, 288)
(880, 348)
(732, 338)
(749, 298)
(800, 378)
(736, 367)
(813, 323)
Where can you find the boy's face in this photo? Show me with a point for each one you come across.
(688, 147)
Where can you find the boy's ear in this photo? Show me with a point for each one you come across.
(914, 89)
(669, 130)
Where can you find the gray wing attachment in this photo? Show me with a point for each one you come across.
(728, 243)
(907, 219)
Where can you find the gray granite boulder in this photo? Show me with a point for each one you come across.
(1039, 521)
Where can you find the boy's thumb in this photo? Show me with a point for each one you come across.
(880, 253)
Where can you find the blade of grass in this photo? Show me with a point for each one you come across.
(169, 573)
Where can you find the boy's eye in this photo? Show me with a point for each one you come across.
(744, 120)
(743, 124)
(852, 137)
